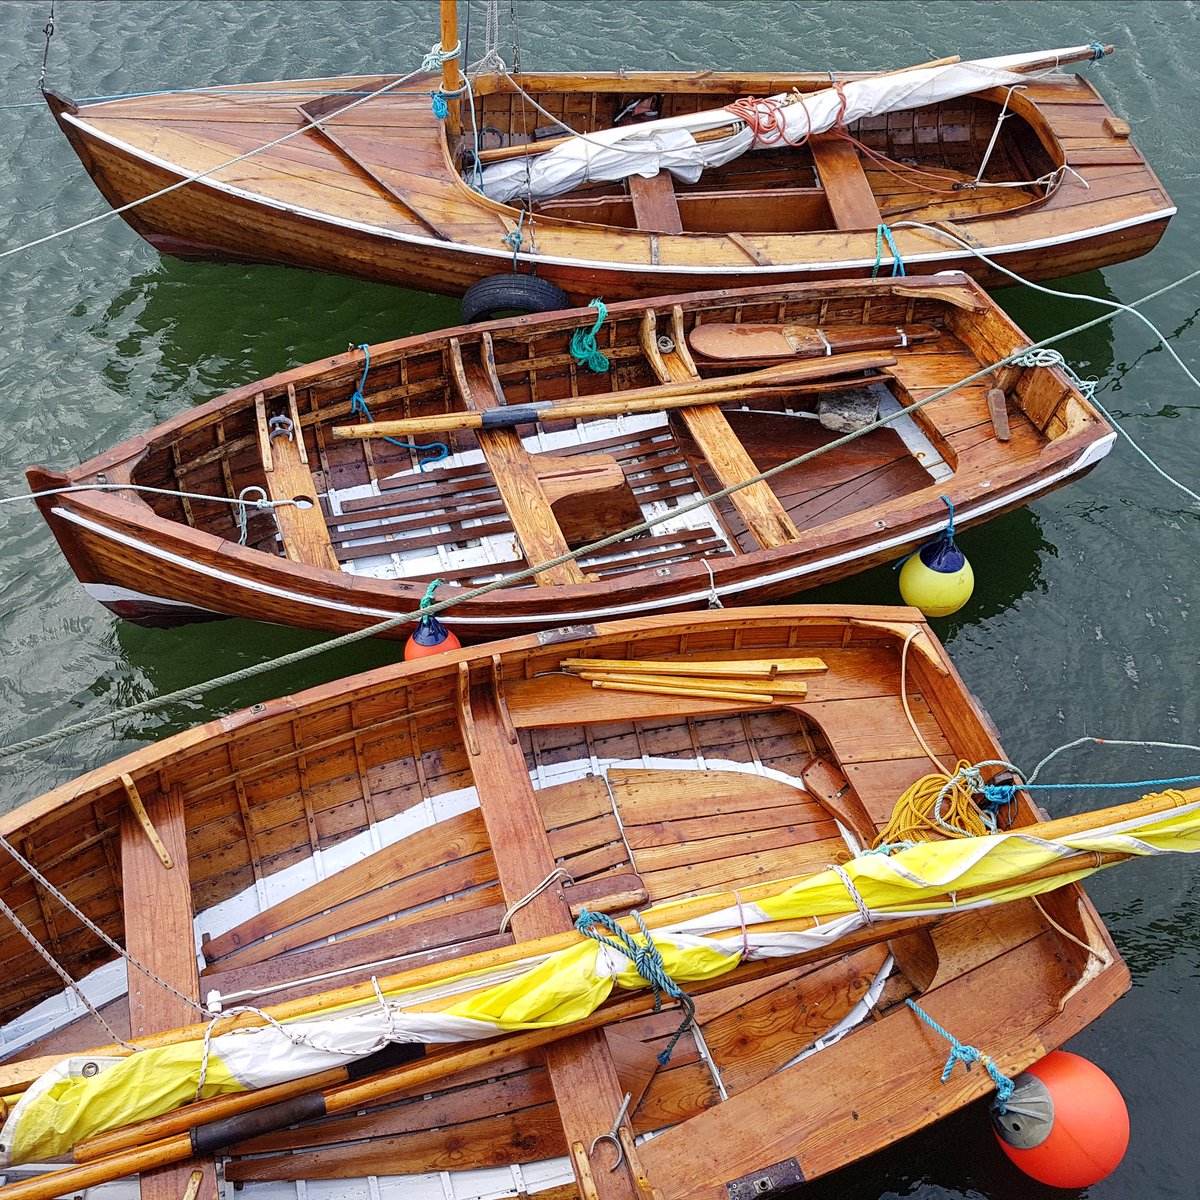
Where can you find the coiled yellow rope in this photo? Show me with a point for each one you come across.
(913, 818)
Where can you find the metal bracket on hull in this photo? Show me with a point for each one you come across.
(782, 1175)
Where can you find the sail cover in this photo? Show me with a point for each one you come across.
(670, 144)
(84, 1096)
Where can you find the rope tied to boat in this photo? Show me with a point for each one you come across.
(262, 503)
(648, 963)
(514, 238)
(583, 341)
(358, 406)
(882, 232)
(968, 1056)
(48, 30)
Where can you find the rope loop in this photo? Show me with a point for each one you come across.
(583, 342)
(358, 407)
(967, 1055)
(243, 512)
(882, 233)
(1098, 51)
(437, 57)
(648, 963)
(427, 599)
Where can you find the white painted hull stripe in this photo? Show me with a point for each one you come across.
(964, 514)
(810, 266)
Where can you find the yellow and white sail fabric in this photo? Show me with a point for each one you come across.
(86, 1096)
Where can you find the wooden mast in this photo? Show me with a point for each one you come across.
(451, 74)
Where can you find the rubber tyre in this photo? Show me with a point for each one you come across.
(511, 295)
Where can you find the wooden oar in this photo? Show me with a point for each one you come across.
(716, 390)
(753, 342)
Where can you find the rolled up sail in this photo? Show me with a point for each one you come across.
(83, 1097)
(670, 144)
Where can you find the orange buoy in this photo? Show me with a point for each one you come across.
(429, 637)
(1065, 1124)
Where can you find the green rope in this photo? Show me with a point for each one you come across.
(427, 599)
(408, 618)
(583, 343)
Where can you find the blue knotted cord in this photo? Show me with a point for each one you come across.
(1097, 49)
(967, 1055)
(358, 405)
(514, 238)
(999, 794)
(434, 61)
(583, 342)
(648, 963)
(947, 535)
(882, 232)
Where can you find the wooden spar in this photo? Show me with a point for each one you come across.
(648, 399)
(18, 1075)
(451, 72)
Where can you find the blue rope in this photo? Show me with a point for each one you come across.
(1000, 794)
(649, 964)
(947, 535)
(967, 1055)
(514, 238)
(583, 343)
(1097, 49)
(882, 232)
(427, 599)
(358, 405)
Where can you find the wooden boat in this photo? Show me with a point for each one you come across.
(1043, 178)
(398, 828)
(751, 368)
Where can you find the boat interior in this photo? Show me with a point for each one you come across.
(390, 826)
(919, 164)
(471, 505)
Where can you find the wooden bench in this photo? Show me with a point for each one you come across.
(757, 505)
(655, 208)
(288, 477)
(850, 198)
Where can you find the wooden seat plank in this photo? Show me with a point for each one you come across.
(757, 505)
(159, 934)
(850, 198)
(515, 475)
(587, 1089)
(288, 478)
(655, 208)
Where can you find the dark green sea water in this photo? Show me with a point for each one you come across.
(1081, 622)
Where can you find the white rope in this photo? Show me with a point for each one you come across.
(556, 874)
(855, 894)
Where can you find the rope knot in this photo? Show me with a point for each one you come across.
(646, 960)
(968, 1056)
(583, 342)
(434, 60)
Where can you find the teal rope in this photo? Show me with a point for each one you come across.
(649, 964)
(1001, 794)
(583, 342)
(514, 238)
(358, 405)
(947, 535)
(967, 1055)
(882, 232)
(427, 599)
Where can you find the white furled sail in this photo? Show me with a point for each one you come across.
(670, 144)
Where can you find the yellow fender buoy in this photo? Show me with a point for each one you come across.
(938, 579)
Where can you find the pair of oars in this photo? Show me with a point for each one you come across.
(753, 385)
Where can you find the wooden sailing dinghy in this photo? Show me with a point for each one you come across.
(396, 830)
(1044, 177)
(378, 519)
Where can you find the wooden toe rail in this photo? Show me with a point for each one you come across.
(757, 505)
(513, 469)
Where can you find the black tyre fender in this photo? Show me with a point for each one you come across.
(505, 295)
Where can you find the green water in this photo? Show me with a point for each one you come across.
(1081, 622)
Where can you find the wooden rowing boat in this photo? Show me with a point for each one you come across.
(371, 834)
(380, 189)
(753, 372)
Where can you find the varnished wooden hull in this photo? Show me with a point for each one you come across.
(156, 566)
(442, 237)
(314, 816)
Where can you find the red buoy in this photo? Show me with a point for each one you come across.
(429, 637)
(1065, 1124)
